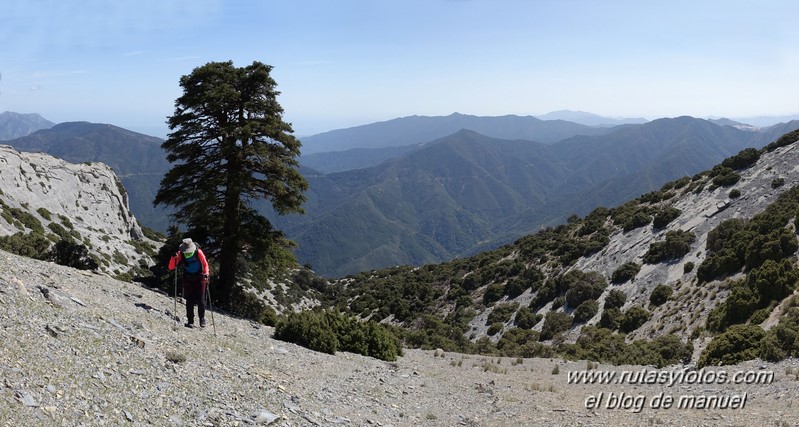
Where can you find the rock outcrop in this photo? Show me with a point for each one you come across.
(86, 199)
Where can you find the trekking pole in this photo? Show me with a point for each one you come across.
(175, 313)
(210, 304)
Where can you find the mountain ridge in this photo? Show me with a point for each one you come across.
(15, 125)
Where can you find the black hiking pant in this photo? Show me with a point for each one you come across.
(194, 292)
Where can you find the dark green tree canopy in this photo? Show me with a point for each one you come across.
(229, 147)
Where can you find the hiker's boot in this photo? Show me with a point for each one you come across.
(189, 323)
(202, 322)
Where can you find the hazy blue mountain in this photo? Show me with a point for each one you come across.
(766, 121)
(468, 192)
(137, 159)
(590, 119)
(356, 158)
(420, 129)
(15, 125)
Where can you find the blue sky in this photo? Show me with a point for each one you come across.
(345, 63)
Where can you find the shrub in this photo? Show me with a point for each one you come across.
(737, 344)
(554, 323)
(494, 328)
(665, 216)
(31, 245)
(611, 318)
(745, 158)
(604, 345)
(27, 219)
(615, 299)
(71, 254)
(777, 182)
(735, 193)
(514, 339)
(676, 245)
(585, 311)
(331, 331)
(660, 295)
(44, 213)
(688, 267)
(585, 286)
(493, 293)
(782, 340)
(502, 313)
(625, 272)
(526, 318)
(633, 318)
(308, 329)
(724, 176)
(787, 139)
(773, 280)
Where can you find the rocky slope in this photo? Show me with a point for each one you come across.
(82, 349)
(86, 199)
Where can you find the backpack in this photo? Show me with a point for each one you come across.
(192, 265)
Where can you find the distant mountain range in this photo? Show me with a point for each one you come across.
(15, 125)
(420, 129)
(446, 197)
(590, 119)
(137, 159)
(468, 192)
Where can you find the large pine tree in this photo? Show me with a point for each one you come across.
(230, 146)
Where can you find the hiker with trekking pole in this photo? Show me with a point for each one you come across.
(194, 278)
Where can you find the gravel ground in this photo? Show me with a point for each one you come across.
(83, 349)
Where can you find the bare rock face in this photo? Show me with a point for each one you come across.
(88, 200)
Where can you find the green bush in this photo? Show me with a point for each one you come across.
(688, 267)
(44, 213)
(585, 311)
(554, 323)
(665, 216)
(625, 272)
(329, 332)
(660, 295)
(782, 340)
(526, 318)
(31, 245)
(745, 158)
(777, 182)
(584, 286)
(494, 328)
(724, 176)
(615, 299)
(735, 193)
(633, 318)
(611, 318)
(71, 254)
(502, 313)
(517, 342)
(676, 245)
(27, 219)
(493, 293)
(785, 140)
(602, 344)
(737, 344)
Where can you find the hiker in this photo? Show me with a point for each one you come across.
(194, 279)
